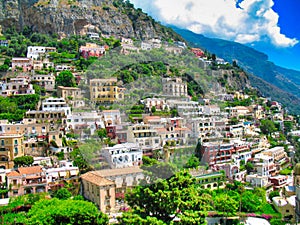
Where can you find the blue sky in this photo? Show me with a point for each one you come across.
(270, 26)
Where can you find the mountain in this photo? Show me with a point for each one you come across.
(70, 17)
(279, 83)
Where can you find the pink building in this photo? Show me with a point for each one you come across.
(23, 63)
(26, 180)
(92, 50)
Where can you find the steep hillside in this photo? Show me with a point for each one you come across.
(279, 83)
(67, 17)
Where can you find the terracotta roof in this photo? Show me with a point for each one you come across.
(152, 117)
(13, 174)
(181, 128)
(241, 108)
(109, 111)
(95, 178)
(30, 170)
(161, 129)
(118, 171)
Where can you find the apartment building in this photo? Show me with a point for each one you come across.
(123, 155)
(46, 81)
(145, 136)
(277, 153)
(79, 121)
(72, 95)
(11, 146)
(39, 52)
(216, 153)
(103, 186)
(21, 63)
(105, 91)
(56, 105)
(263, 165)
(26, 180)
(91, 49)
(174, 86)
(17, 86)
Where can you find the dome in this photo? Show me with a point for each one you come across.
(297, 169)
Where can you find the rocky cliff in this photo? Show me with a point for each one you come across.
(68, 17)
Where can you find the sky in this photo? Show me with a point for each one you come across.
(270, 26)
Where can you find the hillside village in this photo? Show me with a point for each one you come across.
(233, 135)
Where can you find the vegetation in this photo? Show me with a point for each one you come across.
(267, 127)
(62, 194)
(23, 161)
(13, 108)
(181, 198)
(66, 79)
(55, 211)
(166, 199)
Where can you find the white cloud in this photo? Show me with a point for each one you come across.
(249, 21)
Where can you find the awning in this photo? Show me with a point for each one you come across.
(63, 174)
(54, 174)
(73, 172)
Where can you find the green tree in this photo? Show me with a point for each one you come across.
(158, 169)
(62, 193)
(192, 162)
(55, 211)
(267, 127)
(249, 167)
(102, 133)
(226, 204)
(153, 109)
(66, 79)
(273, 194)
(250, 202)
(23, 161)
(84, 156)
(166, 199)
(288, 126)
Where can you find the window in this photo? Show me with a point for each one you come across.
(16, 142)
(16, 150)
(2, 142)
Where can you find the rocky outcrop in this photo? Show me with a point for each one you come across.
(68, 17)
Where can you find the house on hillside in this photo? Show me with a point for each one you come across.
(26, 180)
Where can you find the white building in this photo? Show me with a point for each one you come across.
(56, 104)
(186, 108)
(257, 181)
(264, 165)
(36, 52)
(211, 110)
(146, 136)
(174, 87)
(111, 117)
(85, 120)
(42, 161)
(60, 173)
(17, 86)
(46, 81)
(123, 155)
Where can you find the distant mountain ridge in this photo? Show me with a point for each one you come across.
(280, 84)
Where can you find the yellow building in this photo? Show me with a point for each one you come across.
(69, 92)
(105, 90)
(277, 153)
(11, 146)
(99, 190)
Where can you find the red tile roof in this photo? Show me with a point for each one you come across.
(13, 174)
(30, 170)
